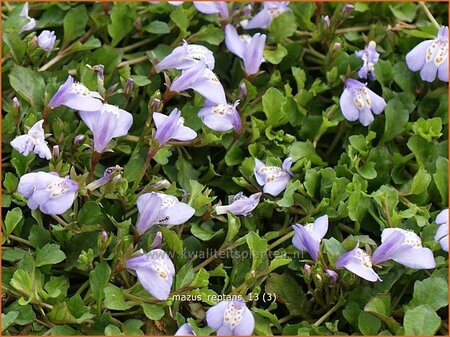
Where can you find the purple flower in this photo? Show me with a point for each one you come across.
(273, 178)
(155, 271)
(431, 57)
(212, 7)
(185, 57)
(185, 330)
(221, 117)
(31, 22)
(359, 102)
(264, 17)
(76, 96)
(231, 318)
(442, 232)
(107, 123)
(332, 274)
(171, 127)
(157, 208)
(308, 237)
(249, 49)
(33, 141)
(370, 57)
(241, 205)
(348, 8)
(404, 247)
(202, 80)
(157, 240)
(48, 191)
(358, 262)
(46, 40)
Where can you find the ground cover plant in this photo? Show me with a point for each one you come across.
(217, 168)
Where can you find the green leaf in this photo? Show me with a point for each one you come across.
(90, 214)
(209, 33)
(98, 279)
(421, 321)
(275, 56)
(75, 23)
(283, 26)
(383, 72)
(123, 16)
(29, 84)
(49, 254)
(172, 240)
(22, 282)
(272, 100)
(157, 27)
(8, 319)
(258, 249)
(418, 184)
(114, 298)
(441, 178)
(153, 311)
(301, 150)
(10, 182)
(405, 11)
(180, 17)
(16, 45)
(39, 236)
(12, 219)
(25, 312)
(432, 291)
(396, 118)
(368, 324)
(403, 76)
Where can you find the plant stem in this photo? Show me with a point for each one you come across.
(18, 239)
(133, 61)
(352, 29)
(328, 313)
(150, 154)
(94, 161)
(429, 15)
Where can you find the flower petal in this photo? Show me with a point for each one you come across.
(246, 325)
(415, 59)
(358, 269)
(214, 315)
(320, 227)
(148, 205)
(260, 20)
(415, 257)
(233, 42)
(377, 102)
(276, 186)
(348, 107)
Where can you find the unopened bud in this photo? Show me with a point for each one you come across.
(332, 274)
(162, 184)
(138, 24)
(104, 236)
(156, 105)
(307, 269)
(16, 103)
(348, 8)
(78, 139)
(326, 21)
(157, 241)
(100, 70)
(129, 87)
(55, 151)
(243, 89)
(336, 46)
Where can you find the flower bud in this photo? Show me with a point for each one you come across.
(307, 269)
(162, 184)
(332, 274)
(243, 89)
(156, 105)
(157, 241)
(100, 70)
(348, 8)
(247, 10)
(55, 151)
(78, 139)
(326, 21)
(336, 46)
(16, 103)
(129, 85)
(104, 236)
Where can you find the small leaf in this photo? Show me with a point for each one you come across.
(49, 254)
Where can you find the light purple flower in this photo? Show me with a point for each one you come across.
(171, 127)
(358, 262)
(202, 80)
(220, 117)
(370, 57)
(46, 40)
(185, 330)
(186, 56)
(442, 232)
(249, 49)
(241, 204)
(404, 247)
(231, 318)
(158, 208)
(212, 7)
(309, 236)
(265, 16)
(155, 271)
(31, 22)
(48, 191)
(431, 57)
(107, 123)
(33, 141)
(273, 178)
(157, 240)
(359, 102)
(76, 96)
